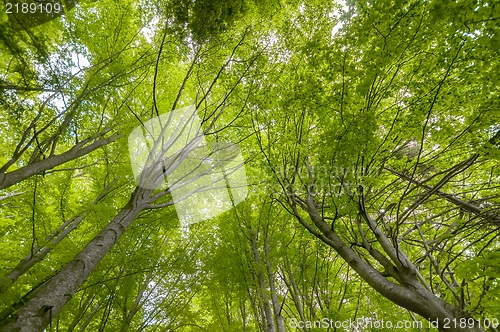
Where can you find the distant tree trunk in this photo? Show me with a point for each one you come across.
(272, 288)
(37, 313)
(243, 315)
(81, 311)
(294, 291)
(270, 327)
(89, 317)
(257, 310)
(38, 253)
(137, 304)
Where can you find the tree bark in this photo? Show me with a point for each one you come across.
(137, 304)
(39, 253)
(11, 178)
(270, 327)
(274, 296)
(37, 313)
(409, 293)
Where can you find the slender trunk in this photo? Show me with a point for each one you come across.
(490, 217)
(270, 327)
(294, 291)
(274, 296)
(38, 253)
(243, 315)
(89, 317)
(137, 304)
(256, 311)
(227, 302)
(11, 178)
(36, 314)
(81, 312)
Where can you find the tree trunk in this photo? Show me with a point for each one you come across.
(39, 253)
(81, 312)
(242, 315)
(272, 288)
(89, 317)
(137, 304)
(294, 291)
(409, 293)
(270, 327)
(11, 178)
(37, 313)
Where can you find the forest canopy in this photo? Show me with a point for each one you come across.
(249, 165)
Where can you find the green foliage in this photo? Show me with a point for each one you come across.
(379, 103)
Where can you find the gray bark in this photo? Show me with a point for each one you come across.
(294, 291)
(274, 296)
(38, 253)
(270, 327)
(409, 293)
(11, 178)
(37, 313)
